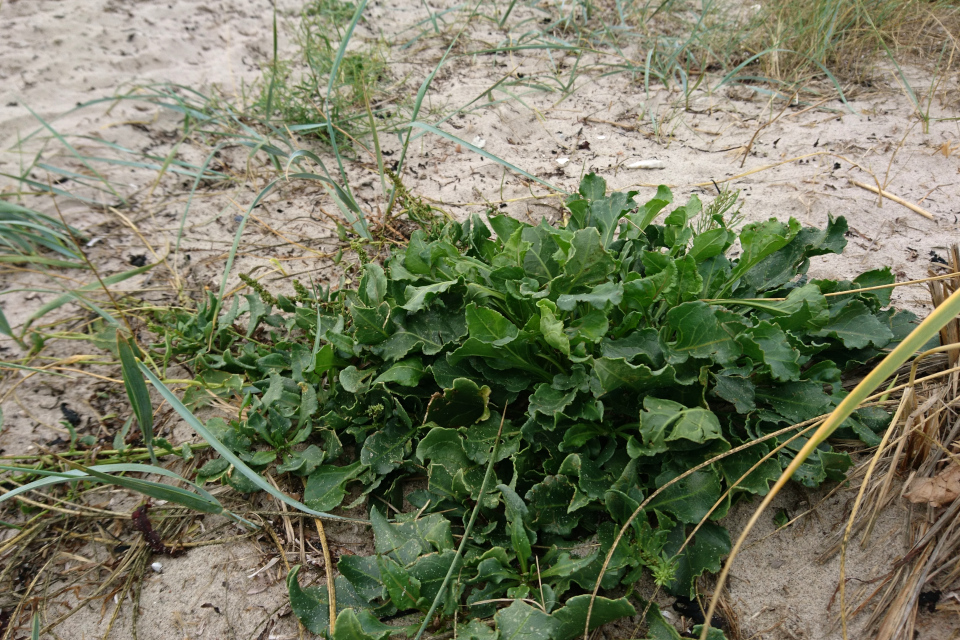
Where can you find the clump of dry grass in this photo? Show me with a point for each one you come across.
(921, 451)
(804, 37)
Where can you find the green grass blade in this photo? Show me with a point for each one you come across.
(137, 393)
(330, 87)
(73, 295)
(24, 230)
(14, 365)
(506, 14)
(193, 191)
(93, 306)
(75, 153)
(229, 456)
(233, 250)
(485, 154)
(4, 325)
(273, 75)
(732, 74)
(200, 501)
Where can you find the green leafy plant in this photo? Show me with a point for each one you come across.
(579, 369)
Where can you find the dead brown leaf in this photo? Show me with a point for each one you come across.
(942, 489)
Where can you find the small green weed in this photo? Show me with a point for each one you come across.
(296, 89)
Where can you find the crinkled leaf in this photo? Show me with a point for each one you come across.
(520, 621)
(371, 324)
(373, 285)
(460, 406)
(705, 553)
(386, 449)
(349, 626)
(326, 486)
(614, 373)
(363, 573)
(647, 213)
(549, 502)
(588, 263)
(309, 605)
(552, 328)
(856, 326)
(768, 343)
(573, 615)
(689, 283)
(639, 294)
(737, 390)
(689, 499)
(353, 380)
(406, 372)
(489, 326)
(733, 467)
(402, 588)
(600, 297)
(312, 606)
(303, 463)
(796, 401)
(758, 240)
(419, 297)
(710, 243)
(549, 401)
(696, 332)
(538, 261)
(877, 278)
(430, 331)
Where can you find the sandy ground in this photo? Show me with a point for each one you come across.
(55, 54)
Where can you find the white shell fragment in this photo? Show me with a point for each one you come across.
(562, 161)
(479, 142)
(601, 137)
(652, 163)
(157, 567)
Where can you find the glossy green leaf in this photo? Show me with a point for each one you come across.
(326, 486)
(350, 627)
(406, 372)
(137, 393)
(695, 332)
(490, 327)
(573, 615)
(462, 405)
(689, 499)
(856, 326)
(520, 621)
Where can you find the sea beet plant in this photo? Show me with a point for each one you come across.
(611, 354)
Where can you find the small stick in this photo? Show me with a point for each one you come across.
(328, 569)
(889, 196)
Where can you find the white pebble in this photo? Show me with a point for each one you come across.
(479, 142)
(601, 137)
(653, 163)
(157, 567)
(562, 161)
